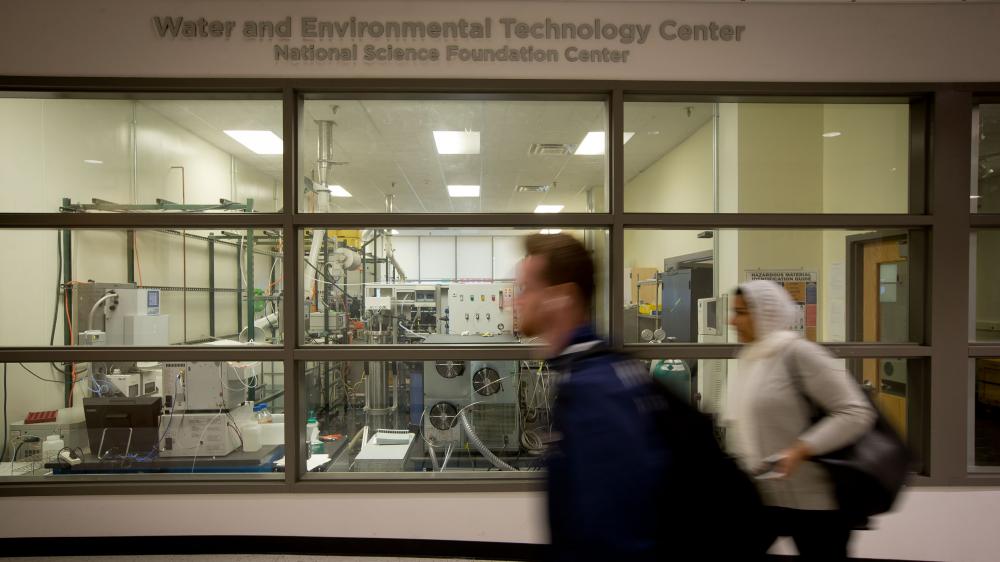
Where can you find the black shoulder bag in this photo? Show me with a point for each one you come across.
(868, 474)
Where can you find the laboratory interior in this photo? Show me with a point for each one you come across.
(418, 286)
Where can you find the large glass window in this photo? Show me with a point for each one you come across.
(986, 180)
(897, 386)
(444, 156)
(985, 414)
(430, 285)
(858, 286)
(182, 155)
(66, 420)
(986, 289)
(442, 415)
(766, 157)
(142, 287)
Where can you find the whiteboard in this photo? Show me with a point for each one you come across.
(475, 257)
(437, 258)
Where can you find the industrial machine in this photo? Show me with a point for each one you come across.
(483, 392)
(416, 309)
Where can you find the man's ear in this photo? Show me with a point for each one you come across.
(561, 298)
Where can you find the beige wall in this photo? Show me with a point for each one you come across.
(683, 178)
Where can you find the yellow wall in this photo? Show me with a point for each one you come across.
(682, 179)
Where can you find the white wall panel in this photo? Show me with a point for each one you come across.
(437, 257)
(507, 251)
(475, 257)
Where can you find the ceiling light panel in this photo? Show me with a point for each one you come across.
(457, 142)
(338, 191)
(259, 142)
(463, 190)
(549, 208)
(593, 143)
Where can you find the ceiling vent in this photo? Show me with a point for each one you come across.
(533, 188)
(550, 149)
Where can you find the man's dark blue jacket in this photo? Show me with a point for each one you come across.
(609, 466)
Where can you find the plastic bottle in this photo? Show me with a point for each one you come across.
(312, 431)
(51, 447)
(261, 413)
(251, 437)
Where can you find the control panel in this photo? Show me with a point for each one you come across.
(481, 308)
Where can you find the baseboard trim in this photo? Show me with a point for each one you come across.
(304, 546)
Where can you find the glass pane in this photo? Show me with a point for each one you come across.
(986, 423)
(898, 387)
(766, 157)
(72, 419)
(986, 267)
(140, 155)
(145, 287)
(438, 156)
(679, 282)
(986, 185)
(428, 416)
(412, 286)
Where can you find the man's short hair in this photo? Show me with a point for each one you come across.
(566, 261)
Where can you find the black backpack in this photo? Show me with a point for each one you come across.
(711, 502)
(711, 507)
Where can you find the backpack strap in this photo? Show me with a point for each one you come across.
(794, 374)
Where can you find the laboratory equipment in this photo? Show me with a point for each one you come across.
(385, 451)
(118, 427)
(197, 434)
(208, 386)
(713, 320)
(73, 433)
(144, 383)
(51, 447)
(674, 374)
(485, 391)
(480, 308)
(261, 414)
(127, 315)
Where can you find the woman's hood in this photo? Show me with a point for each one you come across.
(770, 305)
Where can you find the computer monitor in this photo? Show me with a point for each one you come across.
(122, 426)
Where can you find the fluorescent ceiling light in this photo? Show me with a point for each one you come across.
(463, 190)
(548, 208)
(338, 191)
(260, 142)
(394, 231)
(975, 197)
(93, 161)
(832, 134)
(593, 143)
(457, 142)
(550, 231)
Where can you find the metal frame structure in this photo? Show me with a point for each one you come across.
(940, 175)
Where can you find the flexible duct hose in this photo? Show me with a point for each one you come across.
(480, 446)
(93, 309)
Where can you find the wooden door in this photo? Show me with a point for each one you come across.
(885, 284)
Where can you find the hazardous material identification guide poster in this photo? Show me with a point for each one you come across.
(803, 287)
